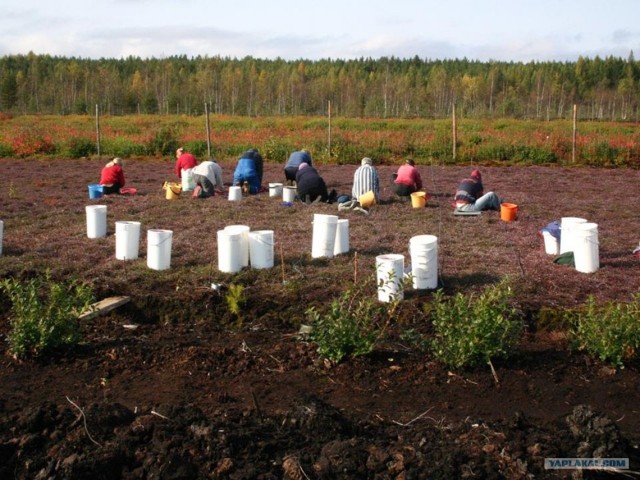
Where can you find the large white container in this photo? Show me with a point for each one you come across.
(229, 251)
(288, 194)
(342, 237)
(235, 194)
(275, 189)
(188, 184)
(96, 221)
(586, 253)
(244, 241)
(551, 244)
(1, 234)
(159, 249)
(127, 240)
(389, 275)
(424, 261)
(261, 248)
(324, 235)
(567, 225)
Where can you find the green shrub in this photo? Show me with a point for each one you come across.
(350, 327)
(472, 330)
(78, 147)
(610, 332)
(44, 314)
(122, 147)
(197, 147)
(5, 151)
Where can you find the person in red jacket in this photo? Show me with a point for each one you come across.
(407, 180)
(184, 161)
(112, 177)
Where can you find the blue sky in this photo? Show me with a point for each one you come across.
(503, 30)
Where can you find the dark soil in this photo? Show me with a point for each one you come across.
(173, 385)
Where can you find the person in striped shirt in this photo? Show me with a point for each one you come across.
(366, 179)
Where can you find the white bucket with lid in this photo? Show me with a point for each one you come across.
(127, 240)
(229, 251)
(586, 253)
(235, 194)
(551, 244)
(424, 261)
(288, 194)
(324, 235)
(342, 237)
(244, 241)
(389, 276)
(261, 248)
(96, 221)
(567, 225)
(159, 249)
(275, 189)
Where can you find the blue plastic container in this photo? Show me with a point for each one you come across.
(95, 191)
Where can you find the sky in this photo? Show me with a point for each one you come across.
(484, 30)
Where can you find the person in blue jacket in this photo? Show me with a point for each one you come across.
(295, 159)
(249, 170)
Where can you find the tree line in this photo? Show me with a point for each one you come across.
(387, 87)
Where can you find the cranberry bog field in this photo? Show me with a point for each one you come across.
(181, 382)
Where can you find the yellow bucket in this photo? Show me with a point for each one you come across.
(172, 190)
(367, 199)
(419, 199)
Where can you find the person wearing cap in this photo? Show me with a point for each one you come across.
(366, 179)
(407, 180)
(249, 171)
(207, 176)
(184, 161)
(112, 176)
(470, 196)
(294, 161)
(310, 185)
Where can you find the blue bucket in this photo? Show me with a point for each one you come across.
(95, 191)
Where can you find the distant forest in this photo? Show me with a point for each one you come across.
(388, 87)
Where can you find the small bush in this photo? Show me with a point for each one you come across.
(350, 328)
(610, 332)
(80, 147)
(473, 330)
(44, 314)
(5, 151)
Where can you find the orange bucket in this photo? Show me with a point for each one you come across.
(419, 199)
(508, 211)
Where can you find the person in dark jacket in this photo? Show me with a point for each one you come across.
(310, 185)
(249, 170)
(470, 196)
(294, 161)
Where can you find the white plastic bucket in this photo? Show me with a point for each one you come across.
(424, 261)
(159, 249)
(96, 221)
(127, 240)
(551, 244)
(229, 251)
(261, 248)
(1, 234)
(586, 253)
(235, 194)
(389, 275)
(567, 225)
(341, 244)
(275, 189)
(288, 194)
(188, 182)
(324, 235)
(243, 230)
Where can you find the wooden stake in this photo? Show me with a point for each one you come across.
(282, 264)
(575, 133)
(355, 268)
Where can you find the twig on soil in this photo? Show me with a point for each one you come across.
(493, 371)
(255, 404)
(411, 421)
(84, 420)
(153, 412)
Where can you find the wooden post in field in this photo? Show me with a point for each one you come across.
(329, 110)
(455, 131)
(98, 130)
(206, 113)
(575, 133)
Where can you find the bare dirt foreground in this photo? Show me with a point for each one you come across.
(174, 386)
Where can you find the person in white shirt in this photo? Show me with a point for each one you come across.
(366, 179)
(208, 179)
